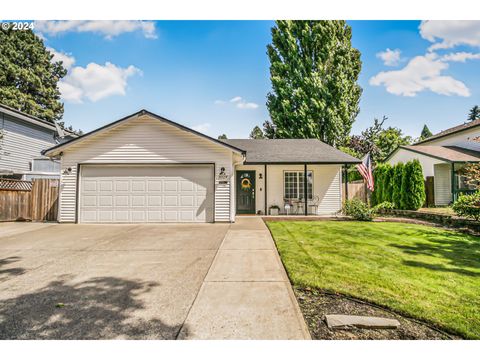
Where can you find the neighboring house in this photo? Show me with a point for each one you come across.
(442, 156)
(22, 138)
(145, 168)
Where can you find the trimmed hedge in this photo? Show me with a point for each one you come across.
(402, 185)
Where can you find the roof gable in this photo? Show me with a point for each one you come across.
(55, 149)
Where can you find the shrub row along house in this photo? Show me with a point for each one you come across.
(145, 168)
(442, 156)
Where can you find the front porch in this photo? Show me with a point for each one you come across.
(295, 189)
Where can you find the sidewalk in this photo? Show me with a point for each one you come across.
(246, 293)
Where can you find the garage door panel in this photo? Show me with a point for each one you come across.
(170, 185)
(146, 194)
(122, 185)
(121, 200)
(106, 185)
(138, 200)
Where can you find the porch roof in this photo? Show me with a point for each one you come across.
(446, 153)
(291, 151)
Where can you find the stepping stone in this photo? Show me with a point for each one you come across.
(365, 322)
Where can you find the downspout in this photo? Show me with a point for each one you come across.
(305, 192)
(453, 182)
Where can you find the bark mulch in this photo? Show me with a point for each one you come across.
(315, 304)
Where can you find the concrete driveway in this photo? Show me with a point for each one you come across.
(115, 281)
(60, 281)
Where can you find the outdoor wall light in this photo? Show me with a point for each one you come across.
(260, 176)
(67, 171)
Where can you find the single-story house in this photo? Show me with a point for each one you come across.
(22, 138)
(145, 168)
(442, 156)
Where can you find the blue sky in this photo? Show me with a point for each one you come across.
(213, 75)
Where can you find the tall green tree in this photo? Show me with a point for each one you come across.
(314, 71)
(222, 137)
(426, 133)
(256, 133)
(474, 113)
(413, 186)
(28, 79)
(377, 140)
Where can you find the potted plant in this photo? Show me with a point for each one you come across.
(274, 209)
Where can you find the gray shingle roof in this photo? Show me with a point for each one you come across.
(452, 130)
(447, 153)
(290, 151)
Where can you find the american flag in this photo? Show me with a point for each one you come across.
(365, 169)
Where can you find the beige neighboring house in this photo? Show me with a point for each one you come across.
(442, 156)
(145, 168)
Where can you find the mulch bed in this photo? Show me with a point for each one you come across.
(315, 304)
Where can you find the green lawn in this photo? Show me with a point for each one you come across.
(425, 272)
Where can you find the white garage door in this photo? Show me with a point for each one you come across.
(153, 193)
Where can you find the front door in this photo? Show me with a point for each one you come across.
(245, 192)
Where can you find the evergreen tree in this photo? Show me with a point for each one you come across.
(417, 186)
(222, 137)
(397, 185)
(413, 186)
(474, 113)
(257, 133)
(269, 130)
(314, 71)
(426, 133)
(406, 173)
(28, 79)
(387, 183)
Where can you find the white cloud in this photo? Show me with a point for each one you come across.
(67, 59)
(449, 33)
(95, 82)
(460, 56)
(247, 105)
(203, 128)
(107, 28)
(422, 73)
(239, 103)
(390, 57)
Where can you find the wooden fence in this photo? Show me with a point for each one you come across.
(356, 190)
(35, 200)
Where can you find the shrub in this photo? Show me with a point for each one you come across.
(387, 183)
(397, 185)
(382, 207)
(415, 188)
(406, 171)
(358, 210)
(468, 206)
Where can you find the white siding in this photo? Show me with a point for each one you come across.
(443, 184)
(144, 140)
(20, 142)
(327, 185)
(427, 162)
(466, 135)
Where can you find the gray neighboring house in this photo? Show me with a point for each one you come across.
(22, 138)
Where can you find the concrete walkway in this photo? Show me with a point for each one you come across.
(246, 293)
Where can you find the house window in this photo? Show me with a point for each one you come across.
(293, 184)
(462, 183)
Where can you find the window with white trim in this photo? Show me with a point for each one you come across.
(293, 185)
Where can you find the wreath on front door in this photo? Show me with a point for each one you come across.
(245, 184)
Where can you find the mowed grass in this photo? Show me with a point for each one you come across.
(425, 272)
